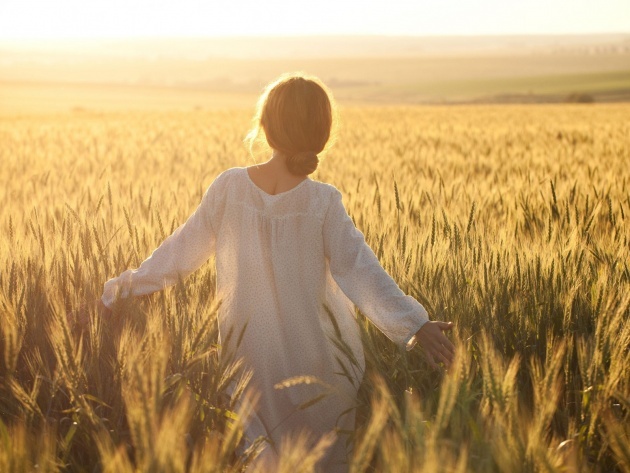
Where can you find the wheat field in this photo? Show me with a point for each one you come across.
(511, 221)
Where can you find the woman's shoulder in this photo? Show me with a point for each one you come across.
(224, 178)
(220, 185)
(326, 190)
(229, 173)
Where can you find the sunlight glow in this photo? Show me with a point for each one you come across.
(58, 19)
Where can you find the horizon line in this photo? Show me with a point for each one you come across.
(311, 35)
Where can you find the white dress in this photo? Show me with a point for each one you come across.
(280, 259)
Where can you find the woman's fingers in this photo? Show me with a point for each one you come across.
(446, 343)
(443, 359)
(431, 361)
(440, 352)
(443, 344)
(446, 325)
(442, 340)
(437, 346)
(447, 355)
(80, 318)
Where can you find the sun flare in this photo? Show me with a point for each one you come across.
(67, 19)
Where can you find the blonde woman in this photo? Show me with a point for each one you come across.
(287, 257)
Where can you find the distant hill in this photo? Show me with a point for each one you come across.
(370, 69)
(304, 47)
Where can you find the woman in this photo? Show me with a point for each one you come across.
(289, 260)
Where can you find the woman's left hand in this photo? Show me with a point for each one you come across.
(80, 318)
(437, 347)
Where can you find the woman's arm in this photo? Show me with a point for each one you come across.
(180, 254)
(359, 274)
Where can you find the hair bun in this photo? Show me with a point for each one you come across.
(303, 163)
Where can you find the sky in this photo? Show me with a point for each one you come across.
(68, 19)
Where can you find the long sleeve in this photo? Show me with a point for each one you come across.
(359, 274)
(185, 250)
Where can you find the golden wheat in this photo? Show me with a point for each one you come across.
(513, 222)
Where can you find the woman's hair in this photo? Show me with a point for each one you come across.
(296, 112)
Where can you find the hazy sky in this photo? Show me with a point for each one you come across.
(34, 19)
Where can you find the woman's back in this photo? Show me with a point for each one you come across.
(273, 280)
(272, 272)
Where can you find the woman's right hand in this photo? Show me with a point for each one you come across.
(437, 347)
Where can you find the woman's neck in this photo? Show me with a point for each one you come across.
(278, 161)
(273, 176)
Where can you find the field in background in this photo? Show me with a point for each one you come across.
(511, 221)
(24, 98)
(226, 72)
